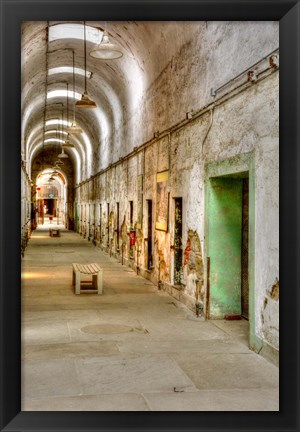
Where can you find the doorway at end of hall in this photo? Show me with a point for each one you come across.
(47, 207)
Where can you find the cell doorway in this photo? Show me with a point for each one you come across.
(178, 242)
(228, 247)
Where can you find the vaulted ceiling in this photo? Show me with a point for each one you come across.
(117, 86)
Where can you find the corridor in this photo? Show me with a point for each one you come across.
(155, 147)
(133, 348)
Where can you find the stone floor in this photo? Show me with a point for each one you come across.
(134, 348)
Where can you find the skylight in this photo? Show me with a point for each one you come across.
(68, 69)
(55, 131)
(74, 31)
(54, 140)
(56, 121)
(62, 93)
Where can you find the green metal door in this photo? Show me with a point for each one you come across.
(225, 238)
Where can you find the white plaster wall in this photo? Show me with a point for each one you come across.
(267, 235)
(216, 53)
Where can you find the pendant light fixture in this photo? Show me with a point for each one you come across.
(74, 128)
(106, 50)
(85, 101)
(62, 155)
(67, 143)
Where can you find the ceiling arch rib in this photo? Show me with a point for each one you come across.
(36, 108)
(78, 145)
(35, 114)
(104, 73)
(61, 178)
(73, 153)
(52, 73)
(99, 115)
(108, 106)
(85, 137)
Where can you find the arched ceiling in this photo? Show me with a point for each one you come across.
(116, 86)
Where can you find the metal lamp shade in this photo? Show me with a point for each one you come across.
(74, 129)
(106, 50)
(85, 102)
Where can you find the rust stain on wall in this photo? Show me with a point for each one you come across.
(275, 290)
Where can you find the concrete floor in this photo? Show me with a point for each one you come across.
(134, 348)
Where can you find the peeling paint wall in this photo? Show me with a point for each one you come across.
(193, 266)
(270, 315)
(247, 122)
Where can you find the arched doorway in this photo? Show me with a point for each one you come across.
(51, 198)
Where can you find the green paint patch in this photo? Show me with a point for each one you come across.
(225, 236)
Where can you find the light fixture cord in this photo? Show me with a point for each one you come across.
(46, 89)
(62, 119)
(84, 58)
(67, 103)
(73, 85)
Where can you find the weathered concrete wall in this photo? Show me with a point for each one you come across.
(215, 53)
(25, 197)
(26, 208)
(247, 122)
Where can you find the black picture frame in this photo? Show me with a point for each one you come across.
(12, 12)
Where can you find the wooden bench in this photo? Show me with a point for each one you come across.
(54, 232)
(93, 270)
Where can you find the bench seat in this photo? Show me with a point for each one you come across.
(93, 270)
(53, 232)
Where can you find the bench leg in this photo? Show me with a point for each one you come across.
(73, 278)
(100, 281)
(77, 279)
